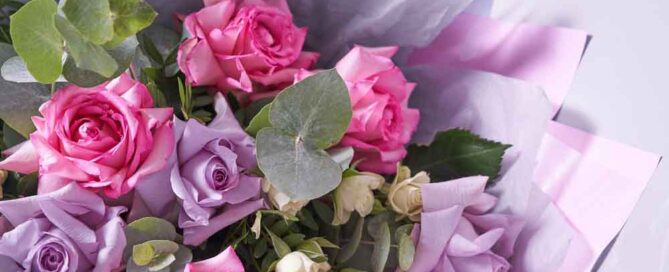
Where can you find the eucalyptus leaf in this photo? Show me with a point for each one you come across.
(381, 248)
(162, 261)
(342, 156)
(15, 70)
(37, 40)
(457, 153)
(406, 252)
(130, 16)
(147, 229)
(122, 54)
(142, 254)
(87, 55)
(92, 18)
(20, 101)
(352, 246)
(259, 121)
(316, 110)
(295, 167)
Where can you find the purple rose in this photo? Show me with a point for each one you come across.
(458, 231)
(70, 229)
(210, 174)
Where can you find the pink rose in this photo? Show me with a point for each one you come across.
(234, 44)
(382, 123)
(226, 261)
(106, 138)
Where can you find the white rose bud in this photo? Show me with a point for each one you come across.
(355, 193)
(405, 196)
(281, 201)
(299, 262)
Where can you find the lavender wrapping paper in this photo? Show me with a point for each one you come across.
(510, 111)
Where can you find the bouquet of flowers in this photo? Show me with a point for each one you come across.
(295, 136)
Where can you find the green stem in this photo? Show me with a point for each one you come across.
(53, 88)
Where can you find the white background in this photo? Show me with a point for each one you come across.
(621, 92)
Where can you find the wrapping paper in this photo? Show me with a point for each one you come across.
(510, 111)
(593, 182)
(545, 56)
(335, 26)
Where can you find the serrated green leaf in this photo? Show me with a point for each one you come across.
(280, 247)
(130, 16)
(381, 249)
(123, 54)
(259, 121)
(316, 110)
(37, 40)
(295, 167)
(406, 252)
(92, 18)
(87, 55)
(457, 153)
(352, 246)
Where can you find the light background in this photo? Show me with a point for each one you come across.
(621, 92)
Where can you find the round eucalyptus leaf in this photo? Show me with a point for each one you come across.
(295, 167)
(123, 54)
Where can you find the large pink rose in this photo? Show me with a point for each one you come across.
(382, 122)
(234, 44)
(106, 138)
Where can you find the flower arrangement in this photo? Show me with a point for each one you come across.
(274, 135)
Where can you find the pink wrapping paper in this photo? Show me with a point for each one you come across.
(546, 56)
(594, 182)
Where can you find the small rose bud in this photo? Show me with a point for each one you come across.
(281, 201)
(355, 193)
(299, 262)
(405, 195)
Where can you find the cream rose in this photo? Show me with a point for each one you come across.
(405, 195)
(299, 262)
(355, 193)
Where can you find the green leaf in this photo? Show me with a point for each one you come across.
(37, 40)
(323, 242)
(260, 248)
(352, 247)
(348, 269)
(15, 70)
(142, 254)
(87, 55)
(154, 228)
(11, 137)
(381, 249)
(306, 118)
(323, 211)
(130, 16)
(295, 167)
(122, 55)
(92, 18)
(19, 101)
(406, 252)
(27, 185)
(280, 247)
(316, 110)
(294, 239)
(311, 248)
(342, 155)
(457, 153)
(161, 262)
(307, 219)
(259, 121)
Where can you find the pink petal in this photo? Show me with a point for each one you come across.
(226, 261)
(22, 158)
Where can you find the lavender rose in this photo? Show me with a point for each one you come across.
(210, 175)
(70, 229)
(459, 231)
